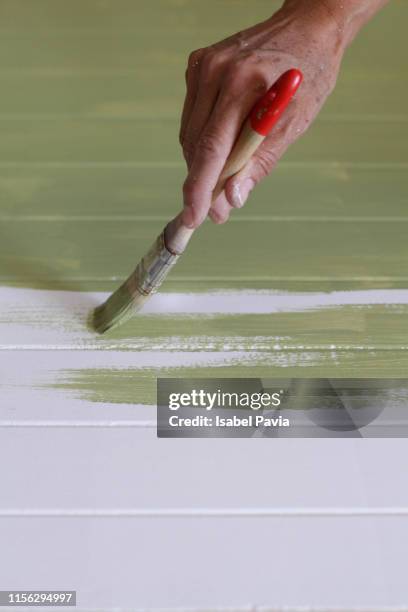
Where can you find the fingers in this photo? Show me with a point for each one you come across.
(220, 211)
(207, 90)
(235, 100)
(210, 153)
(238, 188)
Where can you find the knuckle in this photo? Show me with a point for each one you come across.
(260, 84)
(195, 56)
(188, 149)
(253, 76)
(194, 60)
(189, 189)
(247, 58)
(210, 143)
(212, 59)
(187, 139)
(266, 159)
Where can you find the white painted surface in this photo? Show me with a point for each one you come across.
(91, 500)
(206, 563)
(129, 468)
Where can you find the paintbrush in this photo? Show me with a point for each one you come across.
(156, 264)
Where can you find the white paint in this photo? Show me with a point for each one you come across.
(35, 322)
(33, 319)
(267, 302)
(23, 303)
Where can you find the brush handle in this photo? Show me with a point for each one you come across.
(263, 117)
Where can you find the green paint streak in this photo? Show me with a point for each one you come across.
(138, 386)
(377, 326)
(335, 333)
(96, 76)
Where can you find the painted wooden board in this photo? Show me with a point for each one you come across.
(243, 563)
(280, 478)
(310, 279)
(75, 141)
(267, 251)
(130, 192)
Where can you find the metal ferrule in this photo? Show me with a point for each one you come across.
(153, 268)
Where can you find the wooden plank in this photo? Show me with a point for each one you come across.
(62, 251)
(48, 358)
(68, 384)
(226, 321)
(177, 28)
(78, 141)
(137, 92)
(160, 569)
(112, 385)
(87, 177)
(323, 190)
(193, 476)
(107, 63)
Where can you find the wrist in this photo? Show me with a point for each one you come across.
(325, 21)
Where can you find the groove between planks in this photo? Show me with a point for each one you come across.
(132, 424)
(164, 218)
(333, 164)
(334, 118)
(204, 513)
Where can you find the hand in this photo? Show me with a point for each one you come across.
(226, 79)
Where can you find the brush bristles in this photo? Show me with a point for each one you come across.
(134, 292)
(117, 309)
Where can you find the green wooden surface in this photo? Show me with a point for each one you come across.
(88, 176)
(330, 189)
(258, 250)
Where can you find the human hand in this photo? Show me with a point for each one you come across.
(225, 80)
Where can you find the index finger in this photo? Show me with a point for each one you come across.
(213, 149)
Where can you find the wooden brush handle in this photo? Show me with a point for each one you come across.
(260, 122)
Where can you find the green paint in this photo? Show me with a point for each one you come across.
(76, 140)
(337, 342)
(332, 189)
(362, 326)
(80, 90)
(139, 386)
(235, 254)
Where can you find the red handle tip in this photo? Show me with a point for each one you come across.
(270, 107)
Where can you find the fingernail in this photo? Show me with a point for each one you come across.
(241, 191)
(246, 187)
(188, 217)
(236, 197)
